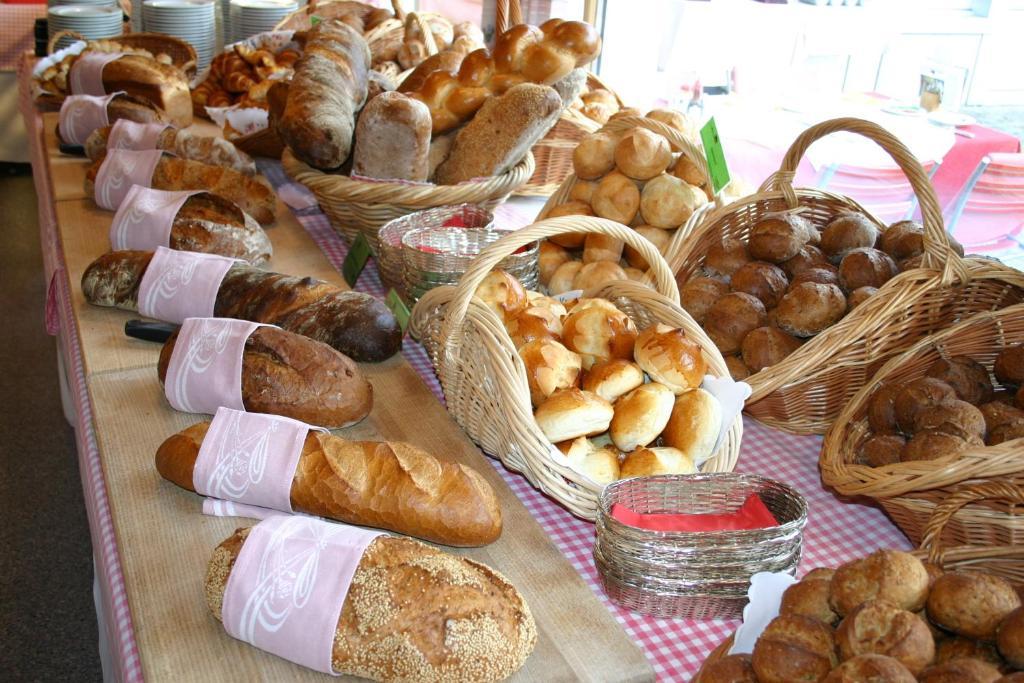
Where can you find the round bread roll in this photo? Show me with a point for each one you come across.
(549, 258)
(809, 598)
(599, 332)
(809, 307)
(637, 275)
(882, 408)
(960, 671)
(600, 96)
(650, 462)
(998, 413)
(598, 247)
(583, 191)
(598, 111)
(956, 647)
(825, 573)
(956, 417)
(640, 416)
(767, 346)
(563, 277)
(694, 425)
(687, 170)
(1015, 677)
(920, 394)
(911, 263)
(699, 294)
(879, 627)
(667, 201)
(866, 267)
(659, 237)
(738, 370)
(673, 119)
(903, 240)
(729, 669)
(794, 648)
(968, 377)
(626, 111)
(732, 318)
(611, 379)
(642, 154)
(594, 156)
(870, 669)
(550, 367)
(845, 232)
(859, 296)
(538, 300)
(670, 357)
(891, 575)
(617, 198)
(883, 449)
(933, 445)
(764, 280)
(1010, 638)
(503, 294)
(725, 258)
(598, 274)
(809, 256)
(1006, 432)
(570, 240)
(824, 275)
(1009, 366)
(971, 604)
(532, 323)
(599, 464)
(777, 237)
(570, 413)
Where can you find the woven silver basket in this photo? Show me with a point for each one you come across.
(694, 575)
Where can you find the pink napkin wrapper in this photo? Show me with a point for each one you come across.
(145, 218)
(126, 134)
(86, 77)
(121, 169)
(80, 115)
(288, 585)
(205, 370)
(181, 284)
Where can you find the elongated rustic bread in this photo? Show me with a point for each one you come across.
(207, 149)
(287, 374)
(210, 224)
(354, 323)
(392, 486)
(415, 614)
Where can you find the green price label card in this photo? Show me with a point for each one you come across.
(354, 263)
(314, 20)
(398, 307)
(715, 156)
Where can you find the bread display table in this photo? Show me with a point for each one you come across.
(151, 542)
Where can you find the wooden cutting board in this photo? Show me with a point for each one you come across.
(165, 541)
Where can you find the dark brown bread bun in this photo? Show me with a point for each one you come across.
(960, 671)
(879, 627)
(882, 409)
(917, 395)
(968, 377)
(725, 258)
(794, 648)
(971, 604)
(859, 296)
(809, 598)
(845, 232)
(767, 346)
(778, 237)
(957, 647)
(932, 445)
(903, 240)
(1010, 638)
(729, 669)
(891, 575)
(866, 267)
(764, 280)
(998, 413)
(1016, 677)
(809, 308)
(825, 274)
(957, 417)
(731, 318)
(699, 294)
(1006, 432)
(738, 370)
(870, 669)
(809, 256)
(883, 449)
(1009, 366)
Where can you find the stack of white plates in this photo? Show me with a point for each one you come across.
(89, 21)
(190, 20)
(249, 17)
(104, 3)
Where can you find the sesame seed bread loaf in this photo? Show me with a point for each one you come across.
(414, 613)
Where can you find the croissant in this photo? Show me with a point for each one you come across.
(239, 81)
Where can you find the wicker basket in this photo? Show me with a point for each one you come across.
(805, 392)
(484, 379)
(181, 52)
(911, 491)
(362, 206)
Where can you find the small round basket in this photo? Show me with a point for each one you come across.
(805, 392)
(484, 379)
(911, 491)
(694, 575)
(181, 52)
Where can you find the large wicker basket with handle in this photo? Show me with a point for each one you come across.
(804, 392)
(484, 379)
(911, 491)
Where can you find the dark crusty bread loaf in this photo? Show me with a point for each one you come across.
(354, 323)
(415, 613)
(211, 224)
(287, 374)
(392, 486)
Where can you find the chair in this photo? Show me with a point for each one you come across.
(988, 214)
(885, 192)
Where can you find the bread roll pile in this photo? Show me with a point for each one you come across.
(887, 618)
(953, 407)
(616, 401)
(632, 178)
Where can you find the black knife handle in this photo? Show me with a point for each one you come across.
(149, 330)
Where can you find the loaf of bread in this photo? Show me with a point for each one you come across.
(501, 133)
(393, 139)
(185, 144)
(415, 613)
(392, 486)
(354, 323)
(210, 224)
(328, 89)
(253, 195)
(164, 85)
(129, 108)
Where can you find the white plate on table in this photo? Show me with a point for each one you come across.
(951, 118)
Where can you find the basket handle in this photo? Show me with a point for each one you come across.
(489, 258)
(938, 254)
(963, 495)
(396, 5)
(55, 38)
(508, 13)
(418, 20)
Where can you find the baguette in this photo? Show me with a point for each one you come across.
(328, 89)
(252, 195)
(286, 374)
(162, 84)
(353, 323)
(393, 139)
(129, 108)
(210, 224)
(185, 144)
(391, 486)
(415, 613)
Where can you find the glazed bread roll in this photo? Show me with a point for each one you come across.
(600, 464)
(731, 318)
(483, 631)
(550, 367)
(667, 201)
(594, 156)
(650, 462)
(968, 378)
(794, 648)
(538, 300)
(439, 501)
(611, 379)
(971, 604)
(670, 357)
(694, 425)
(846, 232)
(809, 598)
(393, 139)
(870, 669)
(503, 294)
(616, 198)
(809, 308)
(866, 267)
(596, 274)
(571, 413)
(641, 415)
(891, 575)
(767, 346)
(764, 280)
(534, 322)
(641, 154)
(919, 395)
(599, 332)
(725, 258)
(699, 294)
(878, 627)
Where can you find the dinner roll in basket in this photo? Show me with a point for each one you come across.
(670, 357)
(570, 413)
